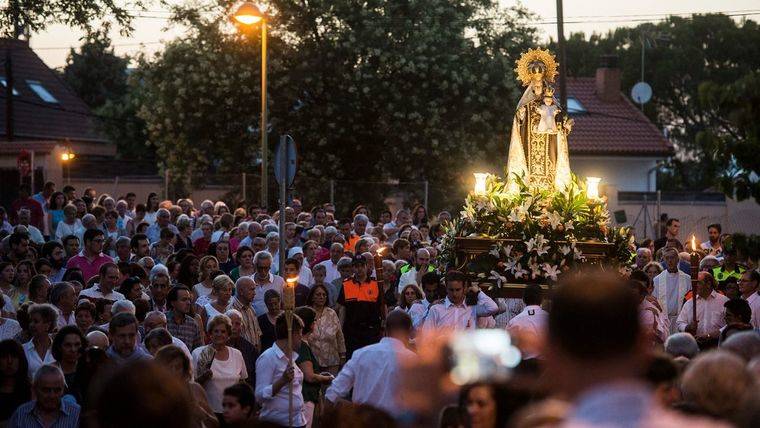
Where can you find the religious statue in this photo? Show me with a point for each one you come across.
(538, 144)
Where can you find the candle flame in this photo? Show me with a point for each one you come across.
(693, 243)
(292, 281)
(381, 251)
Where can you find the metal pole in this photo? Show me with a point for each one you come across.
(646, 214)
(245, 198)
(283, 199)
(426, 196)
(562, 57)
(264, 176)
(332, 192)
(166, 183)
(9, 92)
(659, 206)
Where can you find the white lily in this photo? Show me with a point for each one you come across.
(554, 219)
(507, 250)
(498, 278)
(551, 271)
(569, 225)
(519, 271)
(565, 250)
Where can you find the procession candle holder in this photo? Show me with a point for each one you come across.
(378, 260)
(289, 304)
(694, 258)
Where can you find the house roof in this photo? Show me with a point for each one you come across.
(34, 118)
(611, 128)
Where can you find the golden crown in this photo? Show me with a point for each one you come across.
(524, 70)
(549, 91)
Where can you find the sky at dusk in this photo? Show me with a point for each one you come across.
(580, 15)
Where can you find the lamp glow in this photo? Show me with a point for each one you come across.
(592, 187)
(693, 243)
(248, 14)
(480, 182)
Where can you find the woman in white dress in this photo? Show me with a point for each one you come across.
(222, 286)
(218, 366)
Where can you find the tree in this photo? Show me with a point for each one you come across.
(735, 142)
(100, 78)
(36, 15)
(391, 90)
(680, 53)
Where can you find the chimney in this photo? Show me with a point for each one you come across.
(608, 79)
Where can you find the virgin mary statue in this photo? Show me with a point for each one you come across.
(538, 144)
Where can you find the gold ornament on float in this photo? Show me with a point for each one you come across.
(535, 65)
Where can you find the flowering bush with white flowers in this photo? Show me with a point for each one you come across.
(536, 231)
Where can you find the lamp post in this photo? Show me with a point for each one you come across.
(248, 14)
(66, 158)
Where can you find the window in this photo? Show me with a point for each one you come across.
(5, 85)
(574, 106)
(41, 91)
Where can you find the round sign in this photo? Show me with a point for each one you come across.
(641, 93)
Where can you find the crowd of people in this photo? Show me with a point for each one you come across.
(119, 313)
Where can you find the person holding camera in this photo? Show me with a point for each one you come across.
(463, 305)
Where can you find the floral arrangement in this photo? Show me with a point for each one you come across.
(542, 228)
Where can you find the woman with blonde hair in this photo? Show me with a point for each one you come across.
(222, 285)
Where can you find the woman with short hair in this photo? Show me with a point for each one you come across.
(218, 365)
(43, 320)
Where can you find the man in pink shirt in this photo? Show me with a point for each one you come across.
(90, 259)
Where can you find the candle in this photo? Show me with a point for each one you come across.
(480, 183)
(289, 294)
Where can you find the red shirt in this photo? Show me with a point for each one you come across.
(90, 268)
(200, 246)
(34, 207)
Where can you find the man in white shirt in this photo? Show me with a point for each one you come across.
(24, 217)
(532, 321)
(331, 265)
(710, 311)
(456, 312)
(412, 273)
(748, 287)
(380, 361)
(262, 262)
(670, 287)
(109, 279)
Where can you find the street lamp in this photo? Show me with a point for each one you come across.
(66, 157)
(248, 14)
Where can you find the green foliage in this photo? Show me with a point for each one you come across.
(100, 78)
(542, 226)
(735, 140)
(389, 89)
(681, 53)
(36, 15)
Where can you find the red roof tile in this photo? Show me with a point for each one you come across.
(611, 128)
(35, 119)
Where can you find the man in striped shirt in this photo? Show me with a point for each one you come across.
(48, 410)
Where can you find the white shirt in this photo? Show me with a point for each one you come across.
(710, 314)
(417, 312)
(274, 282)
(270, 367)
(35, 235)
(223, 375)
(63, 230)
(304, 276)
(331, 270)
(754, 304)
(201, 291)
(408, 277)
(532, 320)
(664, 294)
(372, 373)
(33, 358)
(64, 321)
(95, 293)
(448, 315)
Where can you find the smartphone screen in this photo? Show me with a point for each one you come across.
(482, 355)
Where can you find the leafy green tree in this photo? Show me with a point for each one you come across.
(389, 89)
(36, 15)
(681, 53)
(734, 143)
(100, 78)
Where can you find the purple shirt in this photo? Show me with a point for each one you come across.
(89, 268)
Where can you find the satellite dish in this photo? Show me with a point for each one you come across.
(641, 92)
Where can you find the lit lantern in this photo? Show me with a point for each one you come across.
(480, 183)
(592, 187)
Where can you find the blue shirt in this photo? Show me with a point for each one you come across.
(25, 416)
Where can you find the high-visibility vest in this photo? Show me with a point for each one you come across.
(364, 292)
(722, 275)
(351, 243)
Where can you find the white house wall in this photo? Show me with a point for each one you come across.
(624, 173)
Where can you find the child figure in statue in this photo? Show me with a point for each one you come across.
(548, 111)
